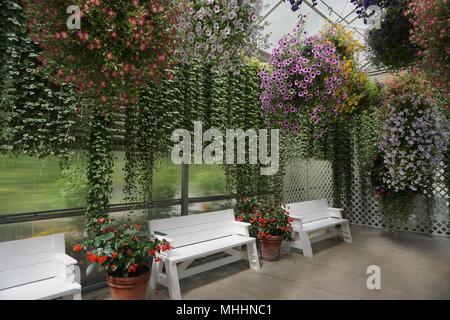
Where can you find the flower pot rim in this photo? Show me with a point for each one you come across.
(272, 238)
(111, 278)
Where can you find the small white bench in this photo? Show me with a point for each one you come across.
(38, 268)
(197, 236)
(312, 216)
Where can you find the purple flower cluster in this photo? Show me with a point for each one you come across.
(306, 74)
(414, 138)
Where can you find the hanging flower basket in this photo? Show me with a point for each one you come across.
(220, 32)
(305, 79)
(116, 48)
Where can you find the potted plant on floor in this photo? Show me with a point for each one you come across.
(270, 224)
(125, 252)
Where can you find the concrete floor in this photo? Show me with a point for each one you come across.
(413, 266)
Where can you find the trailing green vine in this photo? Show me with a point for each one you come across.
(37, 117)
(366, 133)
(100, 168)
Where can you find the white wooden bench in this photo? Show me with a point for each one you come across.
(38, 268)
(312, 216)
(197, 236)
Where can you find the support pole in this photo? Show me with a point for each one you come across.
(185, 190)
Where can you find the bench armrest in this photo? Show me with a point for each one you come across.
(241, 228)
(335, 212)
(65, 259)
(162, 238)
(297, 222)
(66, 268)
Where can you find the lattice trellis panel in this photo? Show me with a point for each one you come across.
(308, 180)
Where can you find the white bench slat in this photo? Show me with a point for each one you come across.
(23, 261)
(164, 225)
(26, 247)
(26, 274)
(207, 248)
(53, 288)
(307, 204)
(322, 224)
(201, 236)
(317, 215)
(172, 233)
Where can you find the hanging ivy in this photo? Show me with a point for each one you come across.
(390, 45)
(37, 117)
(100, 168)
(366, 132)
(244, 113)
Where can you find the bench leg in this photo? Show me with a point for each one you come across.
(173, 283)
(74, 296)
(295, 239)
(77, 295)
(346, 234)
(154, 276)
(253, 256)
(305, 244)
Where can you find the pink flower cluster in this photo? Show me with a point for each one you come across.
(307, 76)
(431, 31)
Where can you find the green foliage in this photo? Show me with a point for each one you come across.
(122, 250)
(37, 117)
(243, 111)
(366, 132)
(100, 168)
(342, 157)
(390, 45)
(267, 218)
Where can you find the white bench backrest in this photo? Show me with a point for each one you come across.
(309, 211)
(196, 228)
(29, 260)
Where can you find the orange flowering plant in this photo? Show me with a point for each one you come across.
(266, 219)
(122, 250)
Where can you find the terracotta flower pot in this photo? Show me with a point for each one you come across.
(134, 288)
(271, 248)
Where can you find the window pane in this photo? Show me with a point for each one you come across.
(207, 180)
(29, 184)
(167, 180)
(196, 208)
(166, 212)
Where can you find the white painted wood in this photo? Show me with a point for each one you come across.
(173, 283)
(191, 220)
(312, 216)
(201, 236)
(38, 268)
(207, 266)
(198, 236)
(156, 271)
(207, 248)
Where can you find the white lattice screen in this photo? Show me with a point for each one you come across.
(309, 179)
